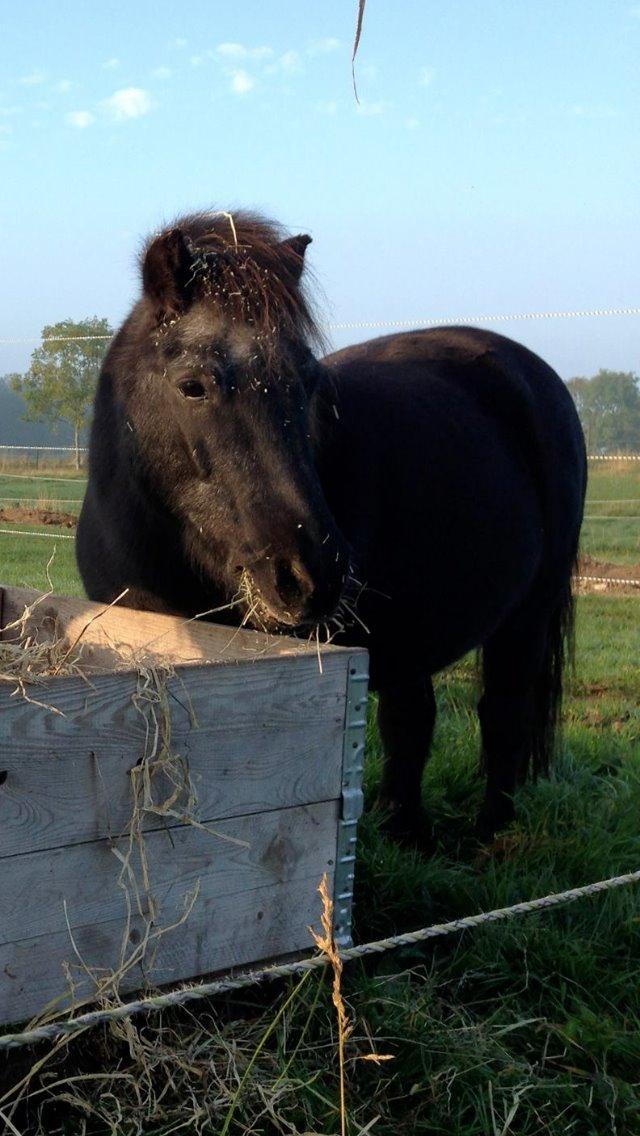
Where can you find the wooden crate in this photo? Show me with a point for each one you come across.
(271, 736)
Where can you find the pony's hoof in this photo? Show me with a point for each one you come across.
(492, 820)
(408, 827)
(485, 829)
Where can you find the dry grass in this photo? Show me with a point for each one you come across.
(326, 945)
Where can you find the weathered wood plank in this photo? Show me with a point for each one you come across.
(254, 902)
(238, 931)
(277, 845)
(124, 636)
(268, 735)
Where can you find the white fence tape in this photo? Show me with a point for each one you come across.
(44, 449)
(580, 313)
(49, 536)
(42, 477)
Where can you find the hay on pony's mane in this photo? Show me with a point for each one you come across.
(245, 263)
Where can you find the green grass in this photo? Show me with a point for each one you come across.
(24, 559)
(613, 480)
(25, 488)
(611, 531)
(615, 541)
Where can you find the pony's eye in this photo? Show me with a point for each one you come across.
(191, 388)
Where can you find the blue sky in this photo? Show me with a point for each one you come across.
(492, 166)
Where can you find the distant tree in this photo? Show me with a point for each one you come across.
(61, 381)
(609, 408)
(580, 389)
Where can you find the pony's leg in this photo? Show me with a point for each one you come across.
(512, 662)
(406, 717)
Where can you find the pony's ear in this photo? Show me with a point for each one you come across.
(294, 249)
(167, 273)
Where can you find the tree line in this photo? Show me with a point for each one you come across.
(53, 398)
(609, 408)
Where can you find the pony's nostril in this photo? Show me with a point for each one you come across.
(290, 584)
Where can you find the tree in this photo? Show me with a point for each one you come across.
(609, 408)
(61, 381)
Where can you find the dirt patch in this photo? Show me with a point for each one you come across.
(22, 516)
(605, 572)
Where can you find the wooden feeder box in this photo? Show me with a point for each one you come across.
(267, 731)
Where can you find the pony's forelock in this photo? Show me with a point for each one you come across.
(245, 264)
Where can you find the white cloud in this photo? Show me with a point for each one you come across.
(33, 79)
(80, 119)
(239, 51)
(179, 43)
(64, 86)
(426, 77)
(130, 102)
(242, 82)
(5, 129)
(162, 72)
(324, 46)
(412, 123)
(196, 60)
(372, 110)
(111, 64)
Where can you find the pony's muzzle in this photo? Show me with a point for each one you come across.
(308, 594)
(296, 593)
(293, 584)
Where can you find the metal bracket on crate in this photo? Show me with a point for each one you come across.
(352, 798)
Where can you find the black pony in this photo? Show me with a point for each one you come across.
(420, 494)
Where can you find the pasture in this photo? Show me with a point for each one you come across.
(530, 1026)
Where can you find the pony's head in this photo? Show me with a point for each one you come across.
(217, 381)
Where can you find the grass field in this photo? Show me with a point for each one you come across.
(528, 1027)
(23, 559)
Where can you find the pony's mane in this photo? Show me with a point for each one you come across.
(242, 263)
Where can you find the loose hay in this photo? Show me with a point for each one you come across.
(27, 661)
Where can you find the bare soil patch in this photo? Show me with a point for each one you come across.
(18, 514)
(606, 571)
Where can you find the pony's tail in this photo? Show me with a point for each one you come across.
(548, 687)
